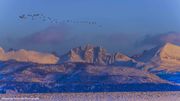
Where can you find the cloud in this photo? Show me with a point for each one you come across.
(154, 40)
(50, 35)
(61, 40)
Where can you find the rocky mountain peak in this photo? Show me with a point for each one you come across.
(88, 53)
(162, 58)
(93, 54)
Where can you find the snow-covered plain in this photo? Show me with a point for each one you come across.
(110, 96)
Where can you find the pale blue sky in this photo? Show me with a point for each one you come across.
(127, 18)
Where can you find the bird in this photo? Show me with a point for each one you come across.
(22, 16)
(49, 18)
(44, 18)
(36, 14)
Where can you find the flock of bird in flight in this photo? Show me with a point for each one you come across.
(55, 21)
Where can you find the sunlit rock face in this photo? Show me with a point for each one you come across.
(28, 56)
(93, 54)
(164, 58)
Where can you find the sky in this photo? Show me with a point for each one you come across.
(126, 24)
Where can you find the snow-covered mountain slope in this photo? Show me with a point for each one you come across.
(28, 56)
(165, 58)
(80, 73)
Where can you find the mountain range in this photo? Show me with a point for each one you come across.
(90, 68)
